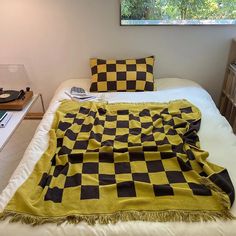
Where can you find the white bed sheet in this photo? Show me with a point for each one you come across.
(215, 136)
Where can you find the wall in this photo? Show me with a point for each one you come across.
(54, 39)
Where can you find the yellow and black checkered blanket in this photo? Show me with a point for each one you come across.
(111, 162)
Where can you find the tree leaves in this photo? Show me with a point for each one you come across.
(178, 9)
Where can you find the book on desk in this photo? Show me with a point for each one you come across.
(5, 116)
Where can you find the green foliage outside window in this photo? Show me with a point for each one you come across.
(178, 10)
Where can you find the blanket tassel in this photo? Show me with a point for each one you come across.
(157, 216)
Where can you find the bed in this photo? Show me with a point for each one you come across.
(214, 130)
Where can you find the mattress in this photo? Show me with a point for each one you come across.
(215, 136)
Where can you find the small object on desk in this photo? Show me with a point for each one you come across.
(4, 122)
(19, 103)
(9, 95)
(21, 95)
(2, 115)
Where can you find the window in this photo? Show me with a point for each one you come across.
(178, 12)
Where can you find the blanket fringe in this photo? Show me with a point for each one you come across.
(223, 197)
(157, 216)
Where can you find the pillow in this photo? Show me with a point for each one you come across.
(122, 75)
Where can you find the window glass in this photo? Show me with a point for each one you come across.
(178, 12)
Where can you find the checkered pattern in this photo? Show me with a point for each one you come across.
(122, 75)
(135, 153)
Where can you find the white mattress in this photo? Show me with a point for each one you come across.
(215, 136)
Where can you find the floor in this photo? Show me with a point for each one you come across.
(12, 153)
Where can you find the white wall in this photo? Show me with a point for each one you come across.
(56, 38)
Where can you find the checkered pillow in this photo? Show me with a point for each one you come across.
(122, 75)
